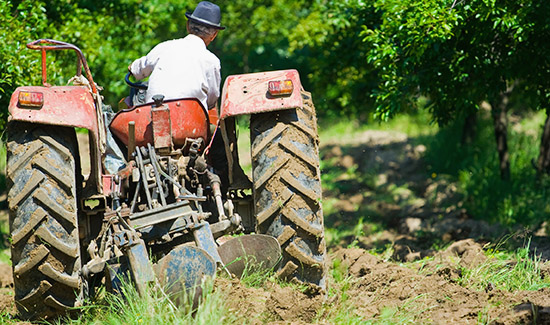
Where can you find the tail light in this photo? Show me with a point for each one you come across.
(31, 99)
(280, 87)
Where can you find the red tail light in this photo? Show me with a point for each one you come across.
(31, 99)
(280, 87)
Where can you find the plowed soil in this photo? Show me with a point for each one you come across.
(371, 287)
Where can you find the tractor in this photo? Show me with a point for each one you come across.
(165, 201)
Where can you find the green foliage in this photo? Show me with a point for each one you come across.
(18, 24)
(348, 52)
(5, 252)
(455, 53)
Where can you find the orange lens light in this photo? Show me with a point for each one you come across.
(31, 99)
(280, 87)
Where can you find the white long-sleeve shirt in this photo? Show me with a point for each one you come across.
(181, 68)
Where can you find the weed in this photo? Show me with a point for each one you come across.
(483, 316)
(255, 276)
(406, 313)
(155, 307)
(506, 271)
(342, 311)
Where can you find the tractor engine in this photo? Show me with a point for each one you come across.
(152, 181)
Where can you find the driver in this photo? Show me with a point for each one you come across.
(185, 68)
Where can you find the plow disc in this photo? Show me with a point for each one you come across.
(184, 268)
(250, 253)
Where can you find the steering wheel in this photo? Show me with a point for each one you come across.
(137, 85)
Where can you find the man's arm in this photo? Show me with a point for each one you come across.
(142, 67)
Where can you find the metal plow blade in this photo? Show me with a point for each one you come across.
(183, 269)
(250, 253)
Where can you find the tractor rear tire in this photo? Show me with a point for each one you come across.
(41, 174)
(287, 190)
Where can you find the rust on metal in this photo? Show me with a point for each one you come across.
(107, 184)
(248, 93)
(162, 129)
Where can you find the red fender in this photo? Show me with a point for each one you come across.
(68, 106)
(71, 106)
(248, 93)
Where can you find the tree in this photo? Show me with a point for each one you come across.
(457, 55)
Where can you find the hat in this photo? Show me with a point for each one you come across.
(206, 13)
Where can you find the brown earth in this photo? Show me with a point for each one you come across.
(421, 211)
(426, 209)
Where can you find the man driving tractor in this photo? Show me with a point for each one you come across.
(185, 68)
(153, 210)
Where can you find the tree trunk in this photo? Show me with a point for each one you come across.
(500, 122)
(543, 163)
(469, 129)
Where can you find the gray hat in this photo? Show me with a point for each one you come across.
(206, 13)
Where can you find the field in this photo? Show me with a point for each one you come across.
(403, 249)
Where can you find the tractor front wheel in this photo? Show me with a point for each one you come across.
(287, 189)
(41, 174)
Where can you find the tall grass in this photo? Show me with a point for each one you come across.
(155, 307)
(506, 271)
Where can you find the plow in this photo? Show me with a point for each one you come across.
(165, 201)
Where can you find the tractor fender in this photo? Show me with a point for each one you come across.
(245, 94)
(68, 106)
(71, 106)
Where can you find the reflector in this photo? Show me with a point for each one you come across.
(31, 99)
(280, 87)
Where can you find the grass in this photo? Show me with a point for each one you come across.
(508, 271)
(407, 312)
(343, 310)
(154, 308)
(414, 125)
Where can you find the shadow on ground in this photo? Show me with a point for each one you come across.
(378, 194)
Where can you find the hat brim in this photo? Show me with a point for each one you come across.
(202, 21)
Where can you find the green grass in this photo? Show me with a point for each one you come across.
(154, 308)
(508, 271)
(342, 311)
(406, 313)
(415, 124)
(472, 167)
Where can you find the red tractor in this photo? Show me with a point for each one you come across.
(164, 185)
